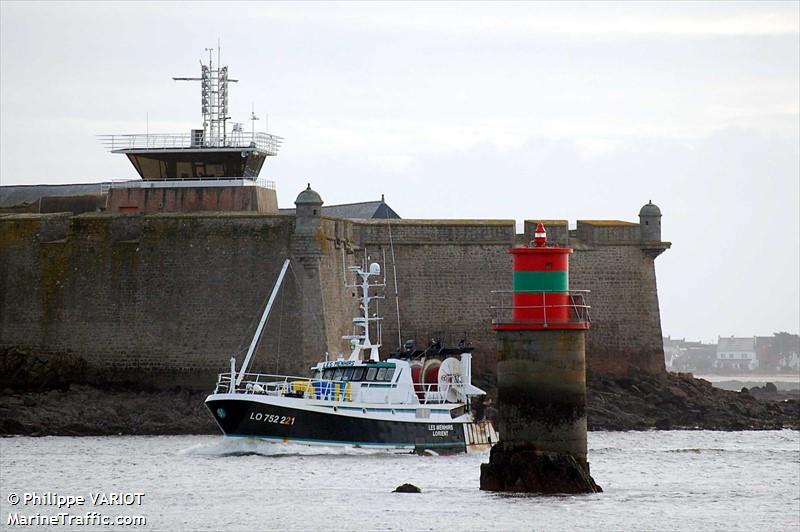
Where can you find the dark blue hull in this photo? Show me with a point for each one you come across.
(284, 423)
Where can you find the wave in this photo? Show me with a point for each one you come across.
(698, 450)
(237, 447)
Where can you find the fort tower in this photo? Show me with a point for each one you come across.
(213, 168)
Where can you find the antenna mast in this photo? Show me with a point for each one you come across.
(396, 293)
(253, 119)
(214, 98)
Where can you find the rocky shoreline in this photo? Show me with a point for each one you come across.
(639, 401)
(84, 410)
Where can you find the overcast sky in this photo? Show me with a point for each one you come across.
(462, 110)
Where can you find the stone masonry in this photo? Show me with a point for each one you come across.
(167, 299)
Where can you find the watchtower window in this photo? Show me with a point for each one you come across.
(315, 212)
(647, 222)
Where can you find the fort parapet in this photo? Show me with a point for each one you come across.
(165, 299)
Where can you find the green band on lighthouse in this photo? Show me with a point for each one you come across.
(538, 281)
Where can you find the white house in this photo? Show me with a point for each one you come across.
(736, 353)
(790, 361)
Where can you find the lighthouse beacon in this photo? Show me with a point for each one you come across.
(541, 377)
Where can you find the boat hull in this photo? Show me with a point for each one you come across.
(296, 423)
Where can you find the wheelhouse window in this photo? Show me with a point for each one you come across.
(381, 374)
(348, 374)
(358, 374)
(389, 374)
(328, 375)
(337, 375)
(371, 374)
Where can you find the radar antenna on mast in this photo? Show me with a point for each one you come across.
(214, 99)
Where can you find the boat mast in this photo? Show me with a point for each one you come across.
(261, 324)
(360, 342)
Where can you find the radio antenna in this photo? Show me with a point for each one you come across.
(396, 294)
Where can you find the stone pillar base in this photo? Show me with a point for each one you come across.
(526, 470)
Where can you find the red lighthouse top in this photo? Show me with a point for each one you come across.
(541, 298)
(540, 236)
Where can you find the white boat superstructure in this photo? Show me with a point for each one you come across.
(360, 400)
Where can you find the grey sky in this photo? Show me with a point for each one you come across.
(463, 110)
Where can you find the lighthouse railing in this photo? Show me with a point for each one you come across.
(558, 310)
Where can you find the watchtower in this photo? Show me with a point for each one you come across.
(650, 222)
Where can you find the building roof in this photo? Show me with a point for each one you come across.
(734, 344)
(11, 195)
(608, 223)
(365, 210)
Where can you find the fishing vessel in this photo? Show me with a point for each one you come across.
(413, 401)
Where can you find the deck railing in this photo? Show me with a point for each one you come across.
(186, 182)
(168, 141)
(329, 390)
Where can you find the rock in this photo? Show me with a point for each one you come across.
(663, 424)
(770, 388)
(679, 393)
(407, 488)
(523, 469)
(84, 411)
(686, 403)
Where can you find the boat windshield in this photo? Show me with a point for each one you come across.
(356, 374)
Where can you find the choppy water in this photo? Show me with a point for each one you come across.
(681, 480)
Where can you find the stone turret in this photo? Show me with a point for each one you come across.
(309, 209)
(650, 223)
(307, 252)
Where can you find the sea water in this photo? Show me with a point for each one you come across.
(672, 480)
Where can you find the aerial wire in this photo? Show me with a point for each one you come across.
(396, 295)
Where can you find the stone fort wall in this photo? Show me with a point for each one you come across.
(153, 299)
(446, 271)
(166, 299)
